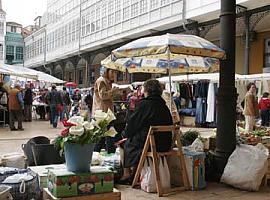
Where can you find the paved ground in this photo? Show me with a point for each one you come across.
(12, 141)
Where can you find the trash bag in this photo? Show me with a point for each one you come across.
(246, 167)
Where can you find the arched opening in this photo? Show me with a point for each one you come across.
(69, 72)
(95, 67)
(81, 72)
(58, 72)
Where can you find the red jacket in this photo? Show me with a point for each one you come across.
(264, 104)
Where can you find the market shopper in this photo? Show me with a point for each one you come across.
(264, 106)
(103, 100)
(67, 104)
(16, 106)
(55, 100)
(150, 111)
(28, 102)
(251, 110)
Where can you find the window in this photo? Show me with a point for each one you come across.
(1, 28)
(10, 50)
(143, 6)
(165, 2)
(19, 53)
(267, 53)
(154, 4)
(110, 19)
(126, 13)
(134, 9)
(13, 29)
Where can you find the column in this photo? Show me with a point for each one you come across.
(226, 105)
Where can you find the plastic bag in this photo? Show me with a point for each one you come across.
(246, 167)
(196, 146)
(164, 173)
(14, 160)
(148, 181)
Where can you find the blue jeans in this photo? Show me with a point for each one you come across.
(54, 115)
(201, 109)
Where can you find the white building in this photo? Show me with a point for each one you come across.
(2, 34)
(77, 27)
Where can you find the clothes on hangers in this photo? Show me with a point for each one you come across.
(211, 103)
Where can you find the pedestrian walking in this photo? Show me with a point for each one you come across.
(55, 100)
(67, 104)
(28, 101)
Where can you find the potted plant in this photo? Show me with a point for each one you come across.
(78, 139)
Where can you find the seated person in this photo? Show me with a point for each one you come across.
(150, 111)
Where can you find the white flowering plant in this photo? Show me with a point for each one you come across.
(83, 132)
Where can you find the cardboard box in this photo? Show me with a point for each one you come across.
(42, 172)
(62, 183)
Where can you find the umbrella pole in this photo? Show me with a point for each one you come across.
(170, 79)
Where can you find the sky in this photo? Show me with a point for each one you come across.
(23, 11)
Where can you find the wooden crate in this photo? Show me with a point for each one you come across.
(115, 195)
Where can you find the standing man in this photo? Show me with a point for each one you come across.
(55, 101)
(103, 100)
(67, 103)
(28, 101)
(16, 106)
(251, 110)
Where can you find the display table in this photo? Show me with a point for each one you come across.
(115, 195)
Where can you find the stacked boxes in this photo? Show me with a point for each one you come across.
(62, 183)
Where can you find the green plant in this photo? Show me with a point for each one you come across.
(83, 132)
(188, 137)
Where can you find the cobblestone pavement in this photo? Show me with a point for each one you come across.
(12, 141)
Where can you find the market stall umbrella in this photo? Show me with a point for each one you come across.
(179, 64)
(165, 53)
(177, 52)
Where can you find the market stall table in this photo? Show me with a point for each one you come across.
(115, 195)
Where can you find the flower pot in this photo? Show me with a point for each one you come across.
(78, 156)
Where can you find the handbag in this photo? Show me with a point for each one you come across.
(59, 108)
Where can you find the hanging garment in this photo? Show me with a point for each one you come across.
(201, 109)
(210, 115)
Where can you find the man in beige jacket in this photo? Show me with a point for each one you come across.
(251, 110)
(103, 100)
(103, 92)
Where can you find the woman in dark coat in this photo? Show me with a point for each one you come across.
(150, 111)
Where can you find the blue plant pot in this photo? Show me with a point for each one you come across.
(78, 156)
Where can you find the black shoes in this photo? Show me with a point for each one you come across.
(13, 129)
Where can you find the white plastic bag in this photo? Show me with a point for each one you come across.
(164, 173)
(148, 181)
(196, 146)
(246, 167)
(14, 160)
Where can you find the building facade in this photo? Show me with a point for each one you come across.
(14, 43)
(2, 33)
(77, 34)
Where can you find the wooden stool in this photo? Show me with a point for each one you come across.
(150, 141)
